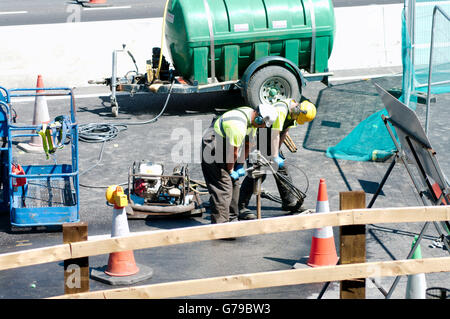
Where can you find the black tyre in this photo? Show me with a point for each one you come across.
(270, 85)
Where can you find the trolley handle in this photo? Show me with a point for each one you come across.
(5, 105)
(44, 175)
(69, 93)
(6, 93)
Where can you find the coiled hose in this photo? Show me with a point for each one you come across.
(105, 132)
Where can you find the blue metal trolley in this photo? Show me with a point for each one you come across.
(50, 195)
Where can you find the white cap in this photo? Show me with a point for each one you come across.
(268, 113)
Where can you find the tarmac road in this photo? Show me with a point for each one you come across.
(26, 12)
(187, 115)
(55, 11)
(161, 142)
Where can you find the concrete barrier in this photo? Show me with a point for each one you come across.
(367, 37)
(71, 54)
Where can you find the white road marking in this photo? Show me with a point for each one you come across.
(13, 12)
(77, 97)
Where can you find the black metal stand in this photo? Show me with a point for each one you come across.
(425, 195)
(383, 181)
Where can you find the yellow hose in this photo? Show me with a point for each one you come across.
(162, 39)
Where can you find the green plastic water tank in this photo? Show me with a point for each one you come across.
(242, 31)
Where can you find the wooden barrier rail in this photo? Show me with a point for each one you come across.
(345, 272)
(271, 279)
(159, 238)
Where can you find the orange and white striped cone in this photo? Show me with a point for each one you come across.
(323, 249)
(122, 268)
(40, 116)
(121, 263)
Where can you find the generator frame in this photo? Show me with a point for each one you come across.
(134, 211)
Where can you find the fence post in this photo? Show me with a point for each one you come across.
(352, 245)
(76, 271)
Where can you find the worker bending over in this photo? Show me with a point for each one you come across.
(225, 147)
(290, 113)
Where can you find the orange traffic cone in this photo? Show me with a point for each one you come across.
(40, 116)
(323, 249)
(121, 263)
(94, 3)
(122, 268)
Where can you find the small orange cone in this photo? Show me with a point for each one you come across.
(323, 249)
(40, 116)
(121, 263)
(122, 268)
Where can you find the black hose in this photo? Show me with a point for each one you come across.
(284, 180)
(99, 132)
(105, 132)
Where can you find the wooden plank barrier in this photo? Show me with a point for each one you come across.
(151, 239)
(271, 279)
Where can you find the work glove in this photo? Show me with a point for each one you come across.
(279, 161)
(239, 168)
(234, 175)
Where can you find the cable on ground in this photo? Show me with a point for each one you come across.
(105, 132)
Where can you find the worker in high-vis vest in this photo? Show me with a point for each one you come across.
(225, 147)
(290, 113)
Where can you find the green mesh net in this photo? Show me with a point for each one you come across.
(369, 140)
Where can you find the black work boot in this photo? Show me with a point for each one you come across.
(246, 214)
(245, 195)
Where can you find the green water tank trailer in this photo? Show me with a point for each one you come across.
(264, 42)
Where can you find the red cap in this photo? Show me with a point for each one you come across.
(322, 195)
(40, 84)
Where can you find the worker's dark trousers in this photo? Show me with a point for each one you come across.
(224, 192)
(289, 201)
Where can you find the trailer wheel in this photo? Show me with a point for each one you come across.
(270, 85)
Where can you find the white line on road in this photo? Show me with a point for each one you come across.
(13, 12)
(107, 8)
(80, 96)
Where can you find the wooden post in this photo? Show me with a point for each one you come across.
(258, 197)
(76, 271)
(352, 245)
